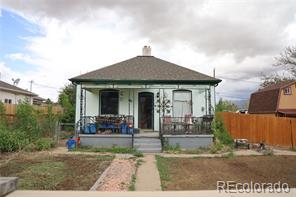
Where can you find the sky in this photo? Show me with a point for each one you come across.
(51, 41)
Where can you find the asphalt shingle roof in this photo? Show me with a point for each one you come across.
(11, 88)
(145, 68)
(266, 100)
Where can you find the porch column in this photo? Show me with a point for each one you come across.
(78, 103)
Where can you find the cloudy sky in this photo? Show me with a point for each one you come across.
(51, 41)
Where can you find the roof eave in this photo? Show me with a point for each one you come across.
(97, 81)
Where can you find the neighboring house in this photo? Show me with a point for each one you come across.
(277, 99)
(11, 94)
(39, 100)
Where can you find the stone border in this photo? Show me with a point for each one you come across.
(100, 180)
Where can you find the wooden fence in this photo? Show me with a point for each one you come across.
(10, 110)
(276, 131)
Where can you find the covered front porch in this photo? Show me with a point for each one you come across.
(126, 109)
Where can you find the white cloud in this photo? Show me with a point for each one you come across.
(238, 38)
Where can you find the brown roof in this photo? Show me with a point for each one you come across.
(11, 88)
(266, 100)
(146, 69)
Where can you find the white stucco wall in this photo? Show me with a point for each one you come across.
(15, 98)
(199, 107)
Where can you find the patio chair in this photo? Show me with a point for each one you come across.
(188, 123)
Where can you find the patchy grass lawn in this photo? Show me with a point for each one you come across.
(59, 172)
(123, 150)
(203, 173)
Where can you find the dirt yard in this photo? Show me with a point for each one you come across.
(203, 173)
(54, 172)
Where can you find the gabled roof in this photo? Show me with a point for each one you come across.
(11, 88)
(146, 69)
(266, 100)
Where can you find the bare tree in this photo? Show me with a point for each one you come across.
(287, 60)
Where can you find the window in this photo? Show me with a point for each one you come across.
(182, 103)
(288, 91)
(8, 101)
(109, 101)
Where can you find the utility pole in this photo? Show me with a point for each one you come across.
(31, 85)
(214, 75)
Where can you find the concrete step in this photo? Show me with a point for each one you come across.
(146, 140)
(149, 150)
(147, 145)
(7, 185)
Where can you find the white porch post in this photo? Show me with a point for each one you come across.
(78, 98)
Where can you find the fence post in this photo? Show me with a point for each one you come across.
(56, 131)
(292, 139)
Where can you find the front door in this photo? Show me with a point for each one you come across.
(146, 101)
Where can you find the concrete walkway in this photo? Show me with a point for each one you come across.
(147, 178)
(203, 193)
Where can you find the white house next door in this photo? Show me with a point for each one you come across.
(182, 103)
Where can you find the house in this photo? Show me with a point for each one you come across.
(11, 94)
(157, 96)
(277, 99)
(39, 100)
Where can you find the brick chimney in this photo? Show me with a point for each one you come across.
(146, 51)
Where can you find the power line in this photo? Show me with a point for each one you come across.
(244, 80)
(45, 86)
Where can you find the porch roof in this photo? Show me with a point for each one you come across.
(145, 70)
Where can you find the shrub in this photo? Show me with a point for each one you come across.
(44, 144)
(30, 147)
(3, 119)
(220, 133)
(216, 147)
(12, 140)
(48, 123)
(26, 121)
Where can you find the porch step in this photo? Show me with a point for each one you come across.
(147, 145)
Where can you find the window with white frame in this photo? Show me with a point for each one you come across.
(288, 91)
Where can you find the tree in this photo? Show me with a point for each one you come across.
(67, 101)
(286, 60)
(225, 105)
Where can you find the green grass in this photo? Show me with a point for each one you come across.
(49, 174)
(162, 166)
(229, 155)
(132, 186)
(116, 149)
(133, 181)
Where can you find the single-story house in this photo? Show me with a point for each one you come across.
(11, 94)
(277, 99)
(157, 96)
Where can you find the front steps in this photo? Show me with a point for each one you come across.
(147, 144)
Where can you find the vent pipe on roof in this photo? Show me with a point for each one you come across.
(146, 51)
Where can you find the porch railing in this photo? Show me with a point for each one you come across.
(186, 125)
(106, 124)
